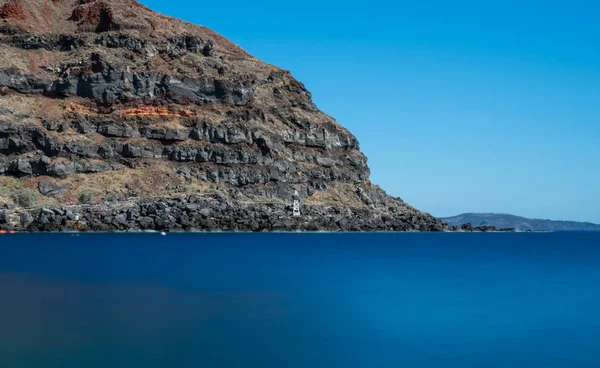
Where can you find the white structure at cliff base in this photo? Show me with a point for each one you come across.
(296, 205)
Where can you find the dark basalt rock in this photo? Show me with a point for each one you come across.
(50, 42)
(52, 189)
(207, 213)
(467, 227)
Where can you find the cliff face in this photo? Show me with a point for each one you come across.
(107, 107)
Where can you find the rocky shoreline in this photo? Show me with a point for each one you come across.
(208, 213)
(215, 213)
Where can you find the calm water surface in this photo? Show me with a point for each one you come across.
(291, 300)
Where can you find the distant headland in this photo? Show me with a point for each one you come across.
(507, 221)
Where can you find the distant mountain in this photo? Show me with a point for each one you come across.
(503, 220)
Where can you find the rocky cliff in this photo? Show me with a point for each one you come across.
(115, 117)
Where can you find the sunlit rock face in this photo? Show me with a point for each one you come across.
(108, 107)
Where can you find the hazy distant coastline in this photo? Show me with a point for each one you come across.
(503, 220)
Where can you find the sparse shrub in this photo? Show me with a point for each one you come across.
(110, 197)
(193, 188)
(25, 197)
(277, 201)
(214, 191)
(8, 185)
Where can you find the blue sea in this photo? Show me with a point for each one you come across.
(300, 300)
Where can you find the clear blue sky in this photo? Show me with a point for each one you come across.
(461, 106)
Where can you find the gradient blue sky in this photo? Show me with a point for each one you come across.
(461, 106)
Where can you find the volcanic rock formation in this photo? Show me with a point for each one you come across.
(115, 117)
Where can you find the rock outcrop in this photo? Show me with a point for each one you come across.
(108, 110)
(468, 227)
